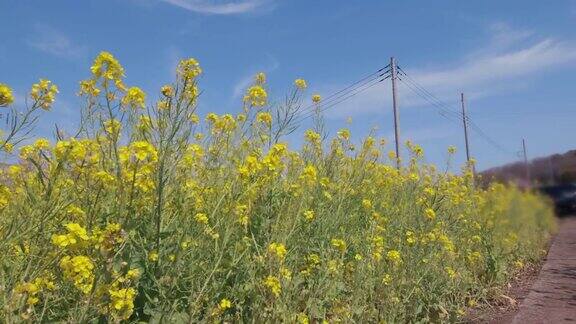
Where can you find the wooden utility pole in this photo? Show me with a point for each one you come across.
(465, 122)
(526, 162)
(395, 107)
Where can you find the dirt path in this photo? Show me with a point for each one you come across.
(552, 298)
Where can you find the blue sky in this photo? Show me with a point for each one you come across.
(515, 60)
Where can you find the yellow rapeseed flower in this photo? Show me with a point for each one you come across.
(6, 96)
(133, 274)
(106, 66)
(309, 215)
(112, 127)
(430, 213)
(224, 304)
(309, 175)
(44, 93)
(153, 256)
(41, 144)
(134, 98)
(339, 244)
(122, 302)
(201, 218)
(316, 98)
(78, 269)
(387, 279)
(451, 273)
(344, 134)
(367, 204)
(265, 118)
(88, 88)
(167, 90)
(256, 96)
(393, 256)
(189, 69)
(300, 84)
(312, 137)
(302, 318)
(5, 195)
(273, 283)
(278, 250)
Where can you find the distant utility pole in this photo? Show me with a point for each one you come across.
(526, 162)
(395, 107)
(465, 122)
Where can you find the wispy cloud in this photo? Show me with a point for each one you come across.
(506, 62)
(224, 7)
(52, 41)
(482, 72)
(245, 81)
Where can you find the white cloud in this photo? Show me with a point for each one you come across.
(500, 67)
(508, 61)
(216, 7)
(54, 42)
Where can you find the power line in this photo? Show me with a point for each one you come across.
(344, 94)
(432, 99)
(323, 106)
(456, 116)
(445, 109)
(372, 75)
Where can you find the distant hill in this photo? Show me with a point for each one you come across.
(553, 169)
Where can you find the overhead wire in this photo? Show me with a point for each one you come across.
(379, 76)
(321, 107)
(446, 109)
(344, 94)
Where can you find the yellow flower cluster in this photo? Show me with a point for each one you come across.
(189, 69)
(134, 98)
(44, 93)
(106, 66)
(77, 237)
(339, 244)
(273, 283)
(393, 256)
(139, 151)
(316, 98)
(265, 118)
(4, 196)
(167, 91)
(6, 96)
(88, 88)
(300, 84)
(78, 269)
(278, 250)
(222, 124)
(122, 302)
(33, 289)
(256, 96)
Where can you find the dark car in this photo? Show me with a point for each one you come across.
(563, 196)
